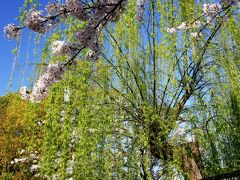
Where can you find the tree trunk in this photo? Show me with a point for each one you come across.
(191, 163)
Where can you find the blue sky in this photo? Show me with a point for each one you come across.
(8, 14)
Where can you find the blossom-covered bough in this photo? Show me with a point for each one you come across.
(148, 111)
(97, 14)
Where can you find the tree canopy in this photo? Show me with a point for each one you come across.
(125, 89)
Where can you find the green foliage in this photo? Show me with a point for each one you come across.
(116, 118)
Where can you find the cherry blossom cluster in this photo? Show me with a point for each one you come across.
(97, 14)
(55, 11)
(71, 165)
(92, 55)
(40, 89)
(89, 38)
(30, 158)
(27, 157)
(36, 22)
(74, 137)
(195, 35)
(77, 9)
(54, 8)
(60, 48)
(209, 11)
(140, 9)
(104, 12)
(24, 93)
(184, 26)
(11, 31)
(53, 74)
